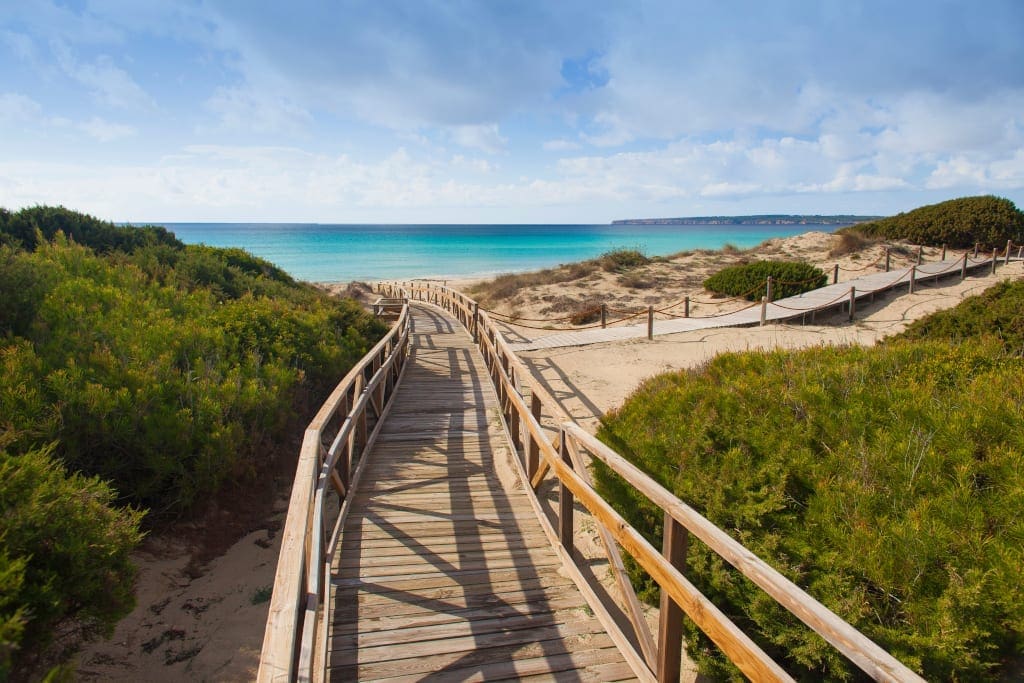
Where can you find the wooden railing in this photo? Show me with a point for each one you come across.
(331, 459)
(548, 441)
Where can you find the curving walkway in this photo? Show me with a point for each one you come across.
(808, 303)
(444, 572)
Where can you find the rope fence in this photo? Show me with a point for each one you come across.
(910, 276)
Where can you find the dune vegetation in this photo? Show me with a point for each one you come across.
(750, 280)
(958, 223)
(140, 377)
(885, 481)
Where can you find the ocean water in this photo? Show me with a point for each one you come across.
(340, 253)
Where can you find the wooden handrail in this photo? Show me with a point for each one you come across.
(295, 635)
(511, 377)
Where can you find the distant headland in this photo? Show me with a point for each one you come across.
(766, 219)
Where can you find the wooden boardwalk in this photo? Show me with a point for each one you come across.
(444, 572)
(808, 303)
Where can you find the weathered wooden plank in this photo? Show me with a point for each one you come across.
(588, 665)
(440, 568)
(376, 612)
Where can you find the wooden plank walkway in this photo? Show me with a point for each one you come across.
(444, 572)
(789, 308)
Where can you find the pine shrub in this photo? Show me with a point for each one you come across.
(750, 280)
(958, 223)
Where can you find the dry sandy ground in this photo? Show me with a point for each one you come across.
(207, 625)
(591, 380)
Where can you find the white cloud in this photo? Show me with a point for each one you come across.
(108, 83)
(485, 137)
(245, 109)
(560, 145)
(105, 131)
(18, 107)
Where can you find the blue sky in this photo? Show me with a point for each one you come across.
(506, 111)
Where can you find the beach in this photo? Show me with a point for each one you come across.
(210, 615)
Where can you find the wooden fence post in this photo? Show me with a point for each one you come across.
(565, 499)
(604, 316)
(963, 268)
(768, 288)
(476, 323)
(686, 307)
(670, 632)
(853, 301)
(888, 253)
(995, 257)
(920, 253)
(943, 252)
(1009, 243)
(764, 309)
(913, 276)
(976, 250)
(650, 322)
(835, 273)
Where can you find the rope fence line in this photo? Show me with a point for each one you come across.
(664, 313)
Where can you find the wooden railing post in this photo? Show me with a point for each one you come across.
(853, 301)
(920, 253)
(686, 307)
(976, 245)
(768, 286)
(532, 447)
(888, 255)
(995, 257)
(963, 268)
(650, 322)
(476, 323)
(565, 498)
(913, 277)
(675, 541)
(1009, 244)
(604, 316)
(835, 273)
(943, 252)
(764, 310)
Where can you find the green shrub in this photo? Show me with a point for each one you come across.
(161, 369)
(959, 223)
(887, 482)
(749, 280)
(164, 391)
(998, 312)
(39, 224)
(65, 559)
(618, 260)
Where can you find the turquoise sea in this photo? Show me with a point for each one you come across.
(339, 253)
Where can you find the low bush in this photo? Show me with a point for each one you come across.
(998, 312)
(849, 242)
(155, 373)
(958, 223)
(884, 481)
(506, 286)
(750, 280)
(587, 314)
(33, 226)
(619, 260)
(64, 560)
